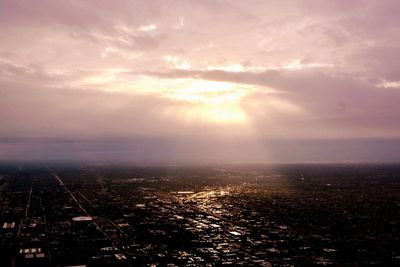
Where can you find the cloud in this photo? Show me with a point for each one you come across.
(147, 28)
(332, 104)
(298, 69)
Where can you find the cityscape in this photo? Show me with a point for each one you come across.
(237, 215)
(199, 133)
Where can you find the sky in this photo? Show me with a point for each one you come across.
(206, 81)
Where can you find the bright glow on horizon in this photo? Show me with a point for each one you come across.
(217, 113)
(209, 101)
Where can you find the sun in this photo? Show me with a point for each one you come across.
(208, 101)
(216, 113)
(212, 101)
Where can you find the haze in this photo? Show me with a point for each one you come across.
(200, 81)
